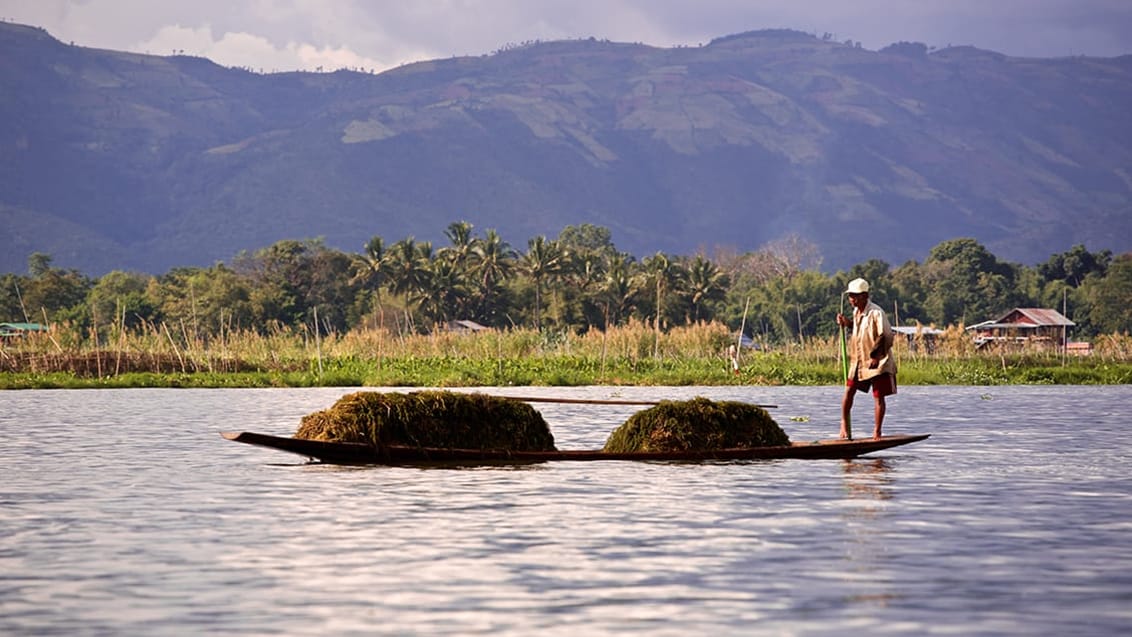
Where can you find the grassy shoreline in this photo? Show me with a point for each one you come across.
(633, 355)
(579, 371)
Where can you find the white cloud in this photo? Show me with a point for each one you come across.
(252, 51)
(247, 50)
(176, 38)
(329, 59)
(378, 34)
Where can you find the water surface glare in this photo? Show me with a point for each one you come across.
(122, 512)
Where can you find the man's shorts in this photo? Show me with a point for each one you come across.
(883, 385)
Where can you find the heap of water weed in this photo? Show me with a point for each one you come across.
(697, 425)
(430, 419)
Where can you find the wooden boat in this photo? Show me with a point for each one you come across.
(360, 453)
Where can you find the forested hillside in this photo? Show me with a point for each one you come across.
(118, 161)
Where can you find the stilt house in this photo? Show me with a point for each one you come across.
(1024, 327)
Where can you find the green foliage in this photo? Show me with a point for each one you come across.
(587, 238)
(63, 380)
(290, 279)
(430, 419)
(49, 292)
(11, 299)
(573, 284)
(543, 263)
(966, 283)
(1072, 267)
(697, 425)
(1110, 298)
(120, 298)
(706, 286)
(206, 301)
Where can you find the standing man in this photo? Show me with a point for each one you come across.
(871, 365)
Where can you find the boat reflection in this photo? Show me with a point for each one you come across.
(868, 486)
(868, 478)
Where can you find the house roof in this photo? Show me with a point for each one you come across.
(465, 324)
(912, 330)
(1035, 316)
(22, 327)
(15, 328)
(1025, 318)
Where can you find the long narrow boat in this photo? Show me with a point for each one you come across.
(360, 453)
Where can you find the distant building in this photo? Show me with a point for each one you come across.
(9, 331)
(1024, 327)
(918, 336)
(466, 326)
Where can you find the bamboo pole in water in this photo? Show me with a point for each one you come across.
(592, 401)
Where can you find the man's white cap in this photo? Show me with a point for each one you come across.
(857, 286)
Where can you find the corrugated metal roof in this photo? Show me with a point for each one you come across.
(466, 324)
(1005, 326)
(23, 327)
(1036, 316)
(912, 330)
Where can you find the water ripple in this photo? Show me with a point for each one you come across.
(125, 514)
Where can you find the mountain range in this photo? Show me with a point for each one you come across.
(115, 160)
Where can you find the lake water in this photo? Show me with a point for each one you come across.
(122, 512)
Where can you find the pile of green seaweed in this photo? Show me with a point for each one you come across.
(430, 419)
(697, 425)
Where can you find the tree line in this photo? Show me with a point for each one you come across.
(577, 281)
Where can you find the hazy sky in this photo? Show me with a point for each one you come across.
(379, 34)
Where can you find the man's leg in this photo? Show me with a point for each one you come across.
(846, 407)
(880, 409)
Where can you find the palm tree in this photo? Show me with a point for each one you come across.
(410, 269)
(371, 268)
(706, 282)
(662, 274)
(582, 274)
(373, 264)
(542, 262)
(444, 293)
(463, 243)
(494, 261)
(618, 293)
(409, 261)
